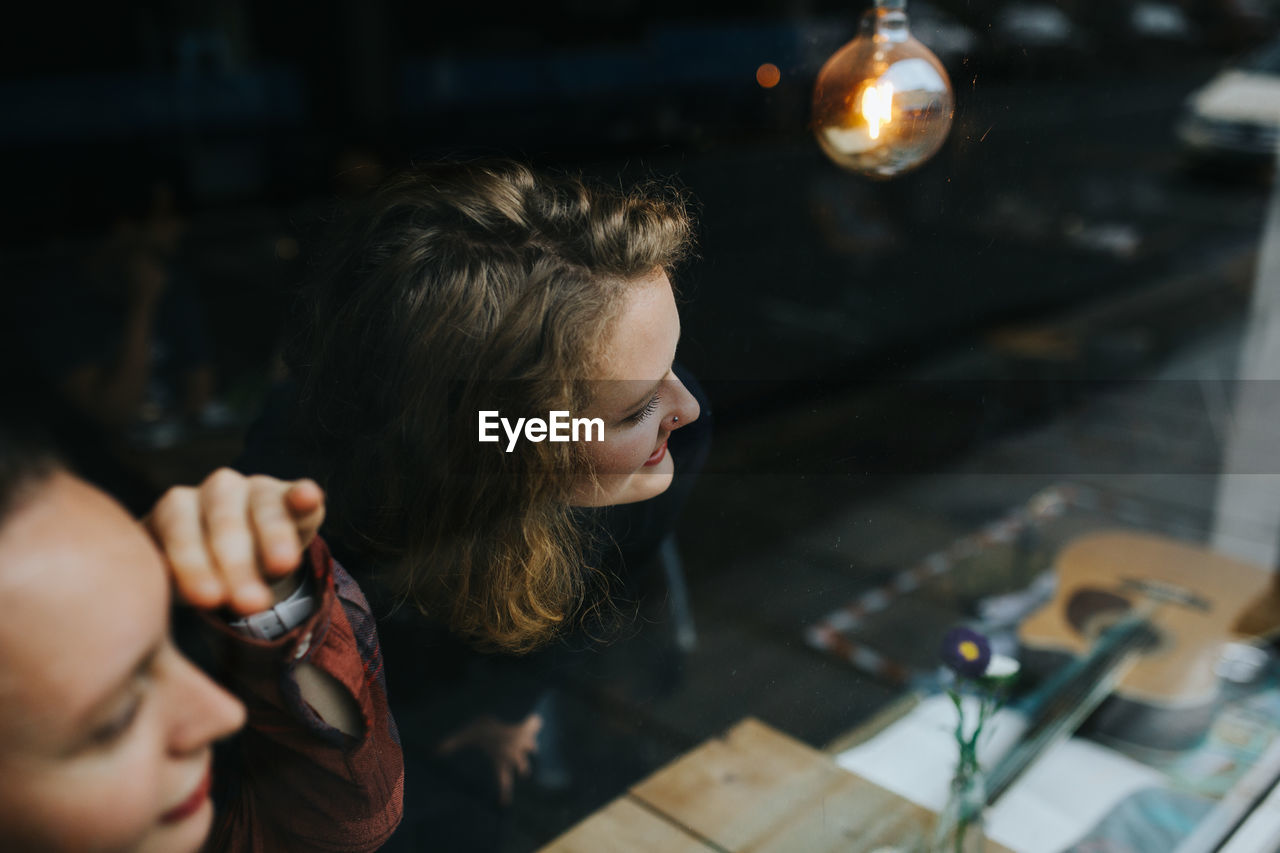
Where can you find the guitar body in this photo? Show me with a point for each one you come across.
(1196, 598)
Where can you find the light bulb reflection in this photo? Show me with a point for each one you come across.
(877, 107)
(882, 104)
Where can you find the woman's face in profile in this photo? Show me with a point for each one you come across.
(105, 728)
(639, 399)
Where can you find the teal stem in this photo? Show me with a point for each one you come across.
(968, 769)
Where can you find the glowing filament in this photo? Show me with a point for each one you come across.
(877, 107)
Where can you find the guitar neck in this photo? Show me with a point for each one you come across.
(1067, 699)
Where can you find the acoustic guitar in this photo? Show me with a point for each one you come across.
(1142, 620)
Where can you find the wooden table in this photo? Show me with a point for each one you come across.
(755, 790)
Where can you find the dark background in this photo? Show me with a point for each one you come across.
(260, 113)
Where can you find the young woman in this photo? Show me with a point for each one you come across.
(486, 287)
(468, 288)
(108, 732)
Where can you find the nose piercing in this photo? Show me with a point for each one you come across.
(675, 419)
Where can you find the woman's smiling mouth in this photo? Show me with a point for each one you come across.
(657, 455)
(191, 804)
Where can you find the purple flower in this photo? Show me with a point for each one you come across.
(966, 652)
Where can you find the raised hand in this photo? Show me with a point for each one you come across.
(236, 540)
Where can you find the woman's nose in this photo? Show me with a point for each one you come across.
(204, 711)
(686, 409)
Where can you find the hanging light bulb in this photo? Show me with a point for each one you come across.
(882, 104)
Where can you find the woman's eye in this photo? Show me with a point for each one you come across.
(648, 409)
(112, 731)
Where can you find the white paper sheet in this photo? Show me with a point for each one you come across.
(1060, 797)
(1260, 831)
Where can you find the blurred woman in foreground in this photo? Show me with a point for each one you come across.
(112, 739)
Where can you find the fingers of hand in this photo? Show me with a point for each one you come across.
(176, 525)
(305, 500)
(506, 782)
(304, 496)
(508, 747)
(278, 542)
(525, 735)
(224, 498)
(526, 743)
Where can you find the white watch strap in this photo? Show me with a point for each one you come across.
(280, 618)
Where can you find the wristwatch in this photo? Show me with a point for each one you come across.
(280, 618)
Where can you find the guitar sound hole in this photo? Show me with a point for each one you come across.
(1090, 611)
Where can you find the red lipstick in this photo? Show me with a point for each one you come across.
(191, 804)
(657, 455)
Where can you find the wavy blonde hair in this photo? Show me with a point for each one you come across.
(461, 287)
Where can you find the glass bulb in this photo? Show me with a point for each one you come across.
(882, 104)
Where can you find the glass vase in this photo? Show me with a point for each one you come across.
(960, 823)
